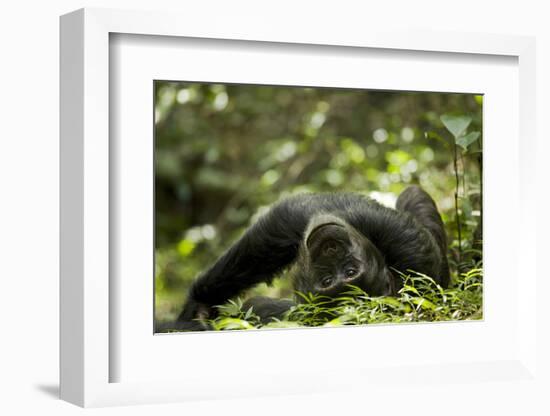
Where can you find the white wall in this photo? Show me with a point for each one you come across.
(29, 189)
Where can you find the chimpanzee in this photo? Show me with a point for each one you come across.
(331, 241)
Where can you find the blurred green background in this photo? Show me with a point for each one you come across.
(224, 153)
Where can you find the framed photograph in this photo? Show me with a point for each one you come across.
(254, 214)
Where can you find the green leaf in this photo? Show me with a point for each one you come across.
(231, 308)
(423, 303)
(390, 301)
(457, 125)
(396, 304)
(248, 313)
(466, 141)
(231, 324)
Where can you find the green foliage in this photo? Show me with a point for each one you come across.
(457, 125)
(419, 300)
(466, 140)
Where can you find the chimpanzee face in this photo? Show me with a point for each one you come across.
(334, 255)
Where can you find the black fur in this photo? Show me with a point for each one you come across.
(376, 240)
(268, 308)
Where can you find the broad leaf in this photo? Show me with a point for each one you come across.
(423, 303)
(457, 125)
(395, 303)
(390, 301)
(232, 323)
(466, 141)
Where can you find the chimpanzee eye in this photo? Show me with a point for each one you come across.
(327, 281)
(350, 272)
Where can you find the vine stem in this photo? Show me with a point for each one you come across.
(457, 188)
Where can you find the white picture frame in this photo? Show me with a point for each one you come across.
(86, 263)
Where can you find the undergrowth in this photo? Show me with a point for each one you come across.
(419, 300)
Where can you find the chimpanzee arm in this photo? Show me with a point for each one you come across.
(417, 202)
(410, 238)
(264, 250)
(268, 309)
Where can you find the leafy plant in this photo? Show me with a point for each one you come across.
(420, 299)
(457, 126)
(232, 316)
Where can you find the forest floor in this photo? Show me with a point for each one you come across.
(419, 300)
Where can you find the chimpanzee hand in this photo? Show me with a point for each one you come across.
(194, 316)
